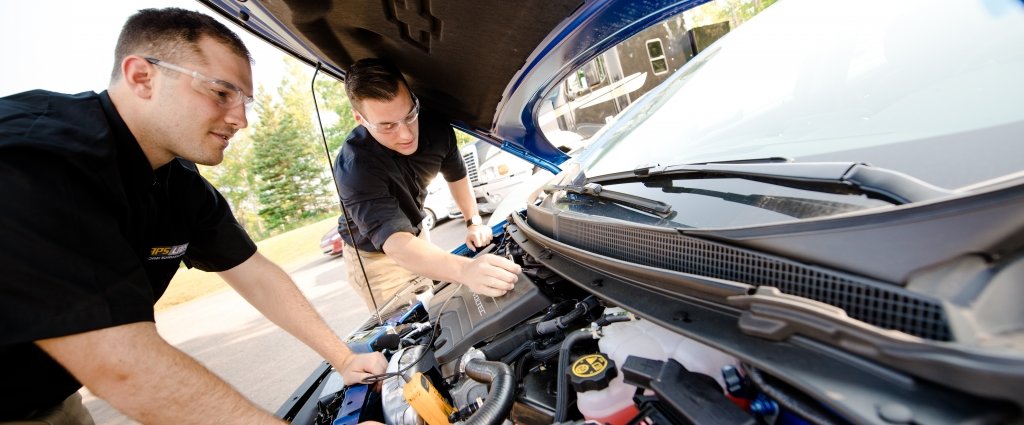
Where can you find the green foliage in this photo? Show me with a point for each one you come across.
(291, 182)
(233, 179)
(464, 138)
(336, 112)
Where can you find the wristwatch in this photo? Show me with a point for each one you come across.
(474, 221)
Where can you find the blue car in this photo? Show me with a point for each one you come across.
(801, 211)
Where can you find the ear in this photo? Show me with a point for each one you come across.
(357, 116)
(138, 75)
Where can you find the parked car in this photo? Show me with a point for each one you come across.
(493, 173)
(438, 203)
(815, 218)
(331, 243)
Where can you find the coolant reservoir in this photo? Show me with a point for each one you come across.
(614, 405)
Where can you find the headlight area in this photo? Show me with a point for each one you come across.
(557, 351)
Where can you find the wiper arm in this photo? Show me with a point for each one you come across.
(786, 205)
(595, 190)
(837, 177)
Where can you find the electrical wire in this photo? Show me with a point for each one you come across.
(433, 336)
(337, 189)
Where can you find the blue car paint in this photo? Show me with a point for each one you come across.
(593, 29)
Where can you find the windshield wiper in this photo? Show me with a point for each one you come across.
(834, 177)
(595, 190)
(786, 205)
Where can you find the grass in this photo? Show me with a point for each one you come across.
(288, 250)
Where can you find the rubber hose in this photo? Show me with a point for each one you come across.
(501, 394)
(519, 351)
(563, 369)
(811, 414)
(551, 326)
(511, 341)
(554, 325)
(611, 318)
(553, 310)
(547, 353)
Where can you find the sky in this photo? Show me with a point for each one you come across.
(68, 45)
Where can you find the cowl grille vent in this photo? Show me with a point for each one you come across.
(873, 302)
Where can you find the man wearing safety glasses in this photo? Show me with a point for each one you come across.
(101, 203)
(383, 171)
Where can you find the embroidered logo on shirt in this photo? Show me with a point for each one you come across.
(167, 252)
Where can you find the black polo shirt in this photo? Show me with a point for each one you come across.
(91, 233)
(384, 190)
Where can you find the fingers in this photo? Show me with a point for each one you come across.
(362, 377)
(490, 292)
(377, 363)
(503, 263)
(492, 275)
(494, 287)
(478, 237)
(363, 366)
(502, 283)
(473, 241)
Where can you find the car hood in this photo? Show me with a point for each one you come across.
(484, 65)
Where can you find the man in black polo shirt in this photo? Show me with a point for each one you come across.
(383, 171)
(101, 202)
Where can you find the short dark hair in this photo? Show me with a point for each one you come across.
(373, 78)
(172, 35)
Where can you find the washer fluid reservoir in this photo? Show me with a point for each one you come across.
(614, 404)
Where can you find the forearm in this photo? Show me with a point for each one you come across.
(462, 194)
(268, 288)
(138, 373)
(423, 258)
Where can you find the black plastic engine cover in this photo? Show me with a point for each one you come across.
(470, 318)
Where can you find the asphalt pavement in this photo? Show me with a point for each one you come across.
(257, 358)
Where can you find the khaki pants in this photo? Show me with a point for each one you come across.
(70, 412)
(387, 277)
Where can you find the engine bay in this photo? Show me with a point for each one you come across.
(546, 352)
(554, 350)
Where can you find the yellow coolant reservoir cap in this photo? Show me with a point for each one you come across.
(426, 401)
(592, 372)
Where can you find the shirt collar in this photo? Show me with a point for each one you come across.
(133, 161)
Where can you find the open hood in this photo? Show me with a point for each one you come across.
(817, 212)
(484, 65)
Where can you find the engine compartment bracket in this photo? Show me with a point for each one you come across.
(692, 398)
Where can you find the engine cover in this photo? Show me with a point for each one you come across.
(470, 318)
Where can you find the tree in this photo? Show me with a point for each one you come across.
(290, 178)
(337, 112)
(338, 120)
(233, 179)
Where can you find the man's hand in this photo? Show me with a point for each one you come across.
(358, 367)
(478, 236)
(490, 275)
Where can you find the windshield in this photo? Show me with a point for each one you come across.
(931, 91)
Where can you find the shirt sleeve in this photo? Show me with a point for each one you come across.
(452, 166)
(65, 268)
(218, 241)
(370, 202)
